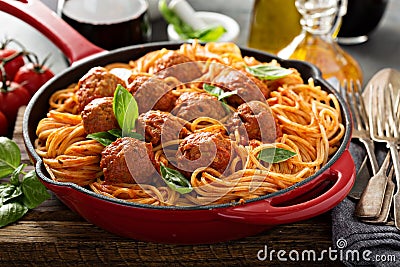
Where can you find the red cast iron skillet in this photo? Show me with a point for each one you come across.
(181, 225)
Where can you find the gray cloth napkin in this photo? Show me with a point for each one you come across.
(358, 243)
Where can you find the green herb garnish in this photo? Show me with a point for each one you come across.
(175, 180)
(210, 34)
(268, 72)
(184, 30)
(275, 155)
(104, 138)
(18, 195)
(126, 112)
(218, 92)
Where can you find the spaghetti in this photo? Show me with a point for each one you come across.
(307, 118)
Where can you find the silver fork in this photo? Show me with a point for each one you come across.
(352, 94)
(371, 199)
(384, 127)
(368, 200)
(383, 217)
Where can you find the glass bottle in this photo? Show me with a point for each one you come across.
(316, 44)
(273, 25)
(362, 17)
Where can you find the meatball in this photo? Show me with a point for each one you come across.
(192, 105)
(177, 65)
(254, 120)
(128, 160)
(158, 126)
(98, 82)
(248, 87)
(98, 116)
(263, 87)
(151, 93)
(202, 149)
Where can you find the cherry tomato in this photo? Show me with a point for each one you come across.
(12, 66)
(3, 124)
(12, 97)
(33, 76)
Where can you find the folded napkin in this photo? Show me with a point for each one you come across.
(358, 243)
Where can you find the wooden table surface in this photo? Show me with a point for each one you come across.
(53, 235)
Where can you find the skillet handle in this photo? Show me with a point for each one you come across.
(264, 212)
(38, 15)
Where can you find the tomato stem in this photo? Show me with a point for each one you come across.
(3, 70)
(4, 82)
(6, 42)
(14, 56)
(3, 77)
(38, 67)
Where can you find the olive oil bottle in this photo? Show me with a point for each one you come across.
(317, 44)
(273, 24)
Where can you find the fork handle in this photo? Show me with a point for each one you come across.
(370, 203)
(396, 198)
(370, 147)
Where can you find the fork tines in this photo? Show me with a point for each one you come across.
(351, 92)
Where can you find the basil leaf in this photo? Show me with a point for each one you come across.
(3, 187)
(11, 212)
(125, 109)
(184, 30)
(275, 155)
(212, 90)
(175, 180)
(218, 92)
(103, 138)
(226, 94)
(106, 138)
(118, 133)
(8, 192)
(10, 156)
(14, 180)
(169, 15)
(34, 192)
(209, 34)
(115, 132)
(268, 72)
(135, 135)
(30, 190)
